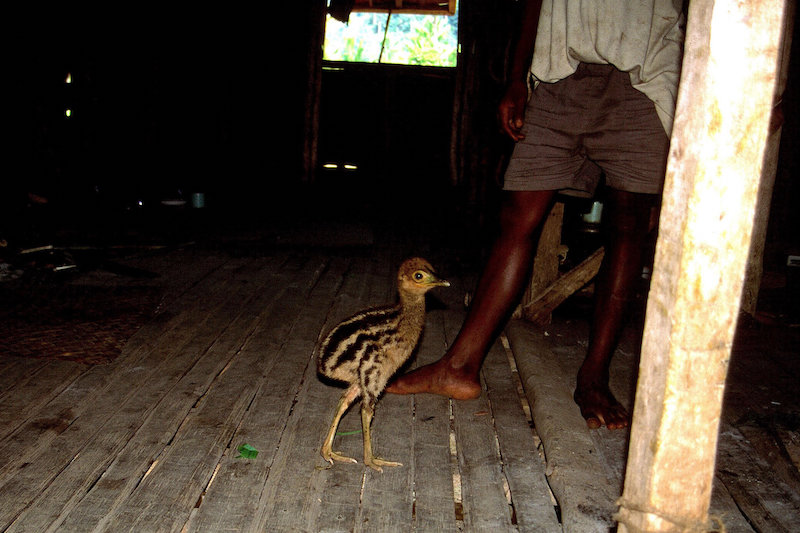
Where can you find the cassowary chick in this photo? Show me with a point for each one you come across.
(367, 349)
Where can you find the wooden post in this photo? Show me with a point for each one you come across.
(755, 265)
(724, 106)
(316, 33)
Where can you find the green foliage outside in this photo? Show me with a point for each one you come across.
(430, 40)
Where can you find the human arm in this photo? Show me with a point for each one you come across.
(511, 110)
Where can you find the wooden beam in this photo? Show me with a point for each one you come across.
(715, 161)
(419, 7)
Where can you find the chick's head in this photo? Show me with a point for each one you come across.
(417, 276)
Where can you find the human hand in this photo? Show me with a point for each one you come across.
(511, 110)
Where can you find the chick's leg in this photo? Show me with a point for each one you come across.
(367, 411)
(345, 401)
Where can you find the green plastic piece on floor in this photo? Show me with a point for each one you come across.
(247, 452)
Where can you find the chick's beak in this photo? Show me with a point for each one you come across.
(438, 282)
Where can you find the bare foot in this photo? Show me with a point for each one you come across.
(600, 408)
(437, 378)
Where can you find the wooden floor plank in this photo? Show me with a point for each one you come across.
(294, 497)
(119, 409)
(435, 504)
(485, 503)
(149, 441)
(577, 477)
(232, 501)
(187, 465)
(337, 500)
(69, 443)
(387, 498)
(742, 503)
(174, 399)
(527, 482)
(84, 394)
(16, 371)
(482, 480)
(724, 508)
(769, 506)
(37, 384)
(297, 495)
(366, 285)
(29, 384)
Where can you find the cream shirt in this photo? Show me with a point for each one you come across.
(641, 37)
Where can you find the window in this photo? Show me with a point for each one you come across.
(392, 36)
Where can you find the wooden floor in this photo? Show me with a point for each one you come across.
(149, 442)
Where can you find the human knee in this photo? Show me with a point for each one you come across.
(630, 213)
(522, 212)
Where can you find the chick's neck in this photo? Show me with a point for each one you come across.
(412, 313)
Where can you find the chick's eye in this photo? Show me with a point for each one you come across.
(418, 275)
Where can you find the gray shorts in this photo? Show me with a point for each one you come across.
(589, 126)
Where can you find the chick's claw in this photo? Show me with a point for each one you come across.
(336, 456)
(376, 463)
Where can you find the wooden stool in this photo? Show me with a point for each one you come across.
(548, 287)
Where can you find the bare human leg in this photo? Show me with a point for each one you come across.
(629, 220)
(456, 374)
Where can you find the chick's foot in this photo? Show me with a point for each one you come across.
(376, 463)
(332, 456)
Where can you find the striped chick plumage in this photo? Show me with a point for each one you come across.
(365, 350)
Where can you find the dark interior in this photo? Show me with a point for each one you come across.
(238, 104)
